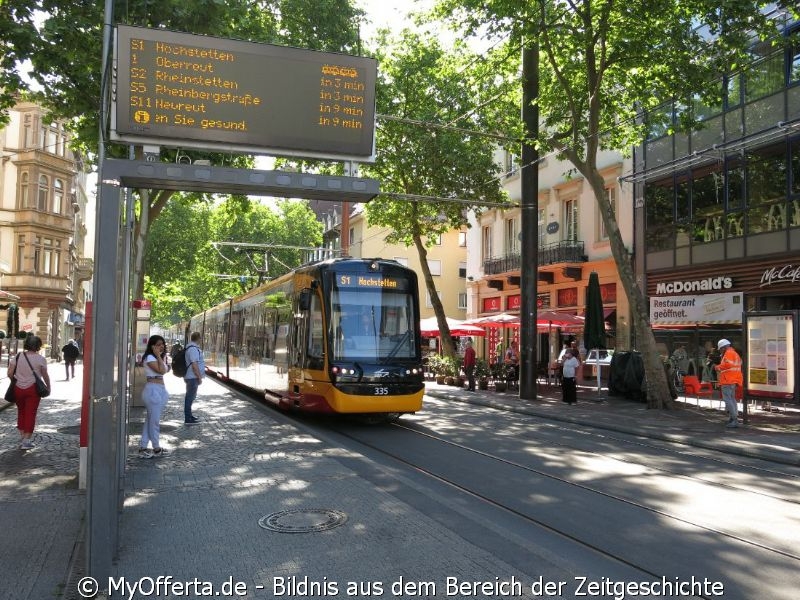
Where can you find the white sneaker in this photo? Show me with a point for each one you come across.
(26, 445)
(145, 453)
(732, 424)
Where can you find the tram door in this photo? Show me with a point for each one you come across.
(297, 340)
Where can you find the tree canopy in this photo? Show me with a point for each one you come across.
(422, 84)
(601, 64)
(184, 266)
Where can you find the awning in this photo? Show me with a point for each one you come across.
(8, 296)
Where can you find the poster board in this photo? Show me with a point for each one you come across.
(771, 355)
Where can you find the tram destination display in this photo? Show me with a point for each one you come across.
(187, 90)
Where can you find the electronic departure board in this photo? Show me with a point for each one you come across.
(181, 89)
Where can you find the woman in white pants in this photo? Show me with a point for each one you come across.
(154, 396)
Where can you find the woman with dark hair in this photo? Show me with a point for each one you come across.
(26, 397)
(154, 396)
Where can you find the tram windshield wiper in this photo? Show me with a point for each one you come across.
(396, 348)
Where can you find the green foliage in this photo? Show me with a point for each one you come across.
(421, 82)
(420, 86)
(482, 368)
(451, 366)
(183, 265)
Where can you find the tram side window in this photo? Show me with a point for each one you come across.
(315, 350)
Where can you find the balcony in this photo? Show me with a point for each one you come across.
(84, 269)
(549, 254)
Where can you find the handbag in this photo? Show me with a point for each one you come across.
(10, 391)
(41, 387)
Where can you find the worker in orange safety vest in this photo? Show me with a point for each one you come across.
(730, 375)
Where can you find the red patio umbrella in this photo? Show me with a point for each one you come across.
(430, 328)
(495, 321)
(551, 318)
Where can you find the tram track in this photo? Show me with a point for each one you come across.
(675, 449)
(412, 445)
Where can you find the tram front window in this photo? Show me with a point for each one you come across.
(372, 325)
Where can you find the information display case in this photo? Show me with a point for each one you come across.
(770, 357)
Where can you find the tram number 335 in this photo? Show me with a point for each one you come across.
(381, 391)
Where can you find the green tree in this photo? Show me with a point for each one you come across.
(184, 268)
(603, 61)
(66, 53)
(419, 83)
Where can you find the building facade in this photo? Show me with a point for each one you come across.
(718, 209)
(572, 242)
(447, 256)
(43, 238)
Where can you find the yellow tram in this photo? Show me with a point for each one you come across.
(339, 336)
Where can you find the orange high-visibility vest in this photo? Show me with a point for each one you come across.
(730, 368)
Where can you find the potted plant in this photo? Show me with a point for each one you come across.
(482, 374)
(452, 367)
(437, 367)
(433, 366)
(499, 374)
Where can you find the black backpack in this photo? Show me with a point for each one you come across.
(179, 366)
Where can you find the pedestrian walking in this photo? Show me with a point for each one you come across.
(27, 399)
(195, 371)
(569, 383)
(730, 376)
(469, 365)
(71, 353)
(154, 396)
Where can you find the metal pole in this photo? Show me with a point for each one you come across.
(529, 202)
(101, 514)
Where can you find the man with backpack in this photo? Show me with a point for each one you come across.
(195, 368)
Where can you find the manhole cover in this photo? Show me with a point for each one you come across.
(303, 520)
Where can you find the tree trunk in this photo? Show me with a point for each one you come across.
(448, 347)
(151, 203)
(658, 393)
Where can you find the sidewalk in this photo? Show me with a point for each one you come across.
(219, 506)
(770, 435)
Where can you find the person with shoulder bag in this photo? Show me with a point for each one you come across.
(26, 367)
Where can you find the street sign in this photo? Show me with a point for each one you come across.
(179, 89)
